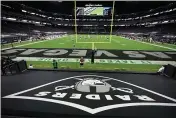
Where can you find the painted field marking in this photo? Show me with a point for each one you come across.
(25, 44)
(157, 45)
(24, 91)
(31, 43)
(98, 109)
(152, 44)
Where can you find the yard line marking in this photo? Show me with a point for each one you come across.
(25, 44)
(151, 44)
(30, 43)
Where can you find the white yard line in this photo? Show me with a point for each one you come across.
(24, 44)
(152, 44)
(29, 44)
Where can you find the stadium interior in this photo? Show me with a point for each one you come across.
(83, 48)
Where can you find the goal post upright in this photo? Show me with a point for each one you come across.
(93, 46)
(112, 20)
(75, 23)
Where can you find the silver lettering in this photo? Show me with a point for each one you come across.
(32, 51)
(134, 54)
(144, 98)
(100, 52)
(75, 96)
(108, 97)
(78, 53)
(59, 95)
(55, 52)
(157, 54)
(93, 97)
(124, 97)
(11, 51)
(44, 93)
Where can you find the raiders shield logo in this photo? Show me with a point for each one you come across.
(94, 94)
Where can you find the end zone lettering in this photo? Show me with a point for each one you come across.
(94, 96)
(100, 54)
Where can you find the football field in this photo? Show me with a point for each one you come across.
(100, 42)
(97, 11)
(113, 53)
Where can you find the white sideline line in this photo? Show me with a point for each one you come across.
(152, 44)
(25, 44)
(29, 43)
(157, 45)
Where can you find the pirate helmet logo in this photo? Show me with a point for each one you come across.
(93, 85)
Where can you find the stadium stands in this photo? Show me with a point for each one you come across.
(44, 43)
(29, 20)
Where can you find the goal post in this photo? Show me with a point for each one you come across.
(93, 42)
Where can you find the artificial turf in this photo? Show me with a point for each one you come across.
(99, 42)
(117, 43)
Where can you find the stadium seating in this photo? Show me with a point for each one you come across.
(124, 23)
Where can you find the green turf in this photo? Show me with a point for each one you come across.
(93, 38)
(167, 45)
(97, 11)
(88, 66)
(9, 45)
(117, 43)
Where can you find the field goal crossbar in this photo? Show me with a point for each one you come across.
(110, 35)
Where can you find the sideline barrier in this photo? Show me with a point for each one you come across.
(93, 71)
(15, 68)
(170, 71)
